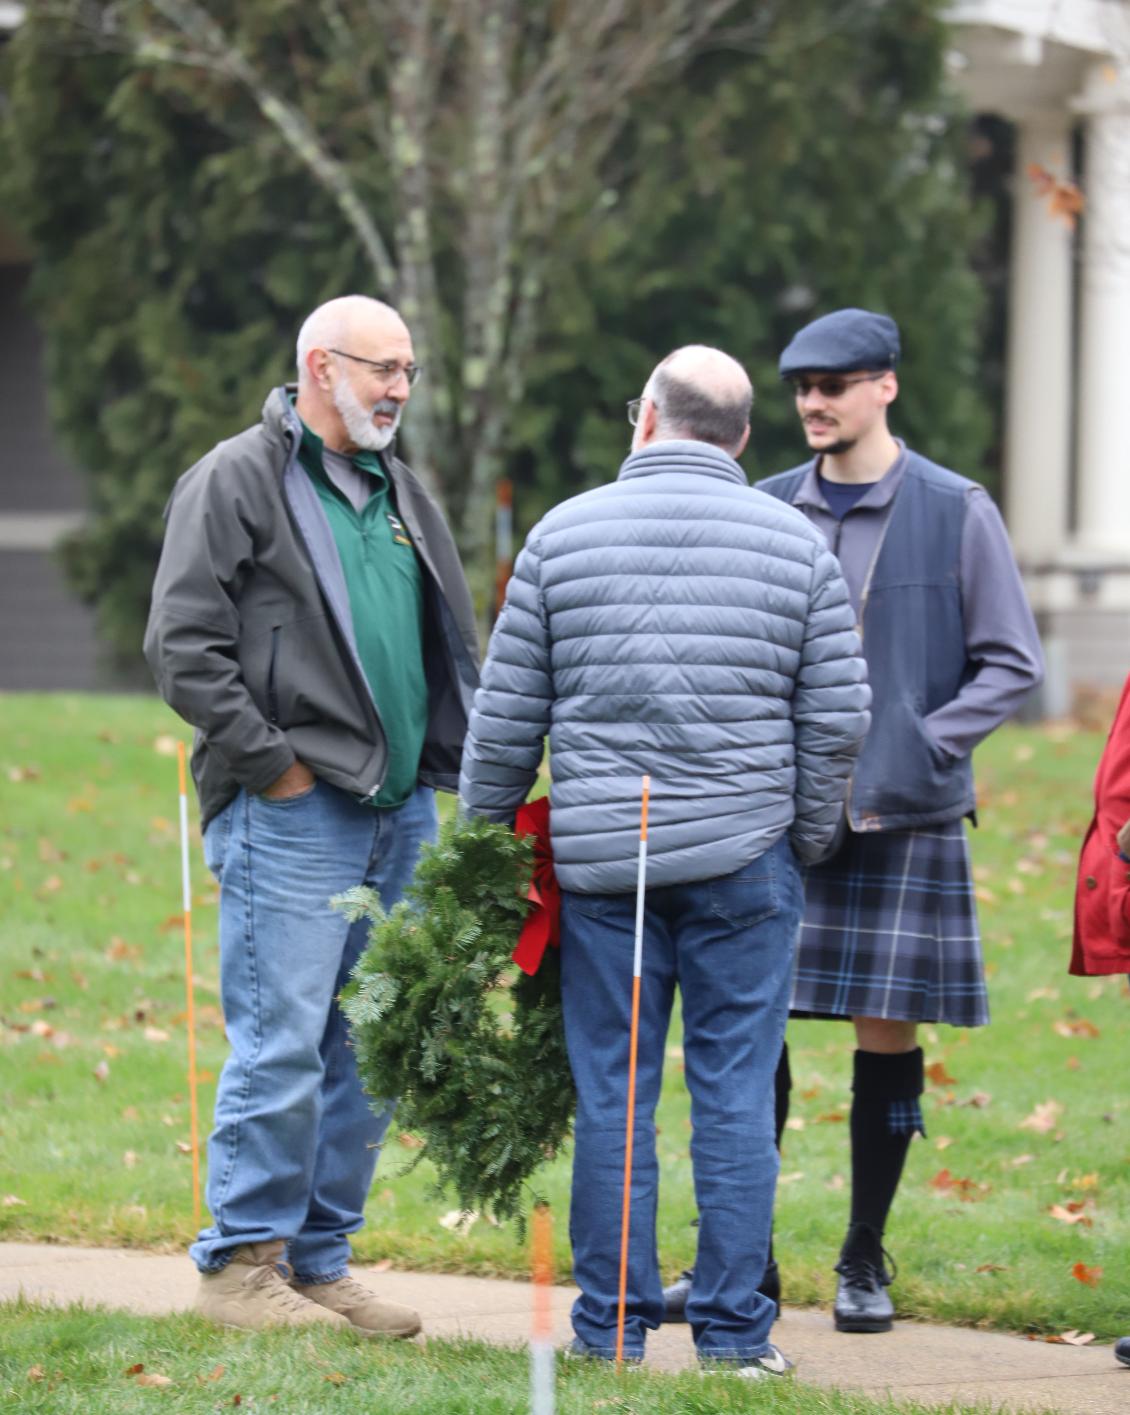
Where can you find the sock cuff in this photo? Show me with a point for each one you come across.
(783, 1079)
(882, 1076)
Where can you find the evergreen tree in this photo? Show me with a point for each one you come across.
(556, 197)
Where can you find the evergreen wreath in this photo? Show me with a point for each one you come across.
(475, 1054)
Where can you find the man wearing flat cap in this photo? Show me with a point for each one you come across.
(889, 936)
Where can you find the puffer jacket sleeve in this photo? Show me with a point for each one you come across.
(830, 711)
(511, 713)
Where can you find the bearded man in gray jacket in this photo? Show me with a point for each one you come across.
(311, 620)
(679, 624)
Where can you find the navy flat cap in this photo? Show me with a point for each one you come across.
(842, 342)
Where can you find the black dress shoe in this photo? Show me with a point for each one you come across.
(675, 1296)
(1122, 1350)
(862, 1303)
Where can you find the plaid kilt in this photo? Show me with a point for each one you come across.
(890, 930)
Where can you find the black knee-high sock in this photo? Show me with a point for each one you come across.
(782, 1085)
(884, 1115)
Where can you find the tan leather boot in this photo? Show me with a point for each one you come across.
(252, 1292)
(361, 1307)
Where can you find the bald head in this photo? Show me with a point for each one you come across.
(703, 394)
(339, 323)
(355, 373)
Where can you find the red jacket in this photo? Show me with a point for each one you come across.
(1102, 892)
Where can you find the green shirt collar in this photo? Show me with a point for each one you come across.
(312, 451)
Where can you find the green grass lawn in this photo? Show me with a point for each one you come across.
(1027, 1118)
(88, 1363)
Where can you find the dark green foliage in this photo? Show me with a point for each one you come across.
(477, 1060)
(179, 243)
(827, 170)
(174, 251)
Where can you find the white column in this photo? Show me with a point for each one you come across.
(1104, 351)
(1038, 398)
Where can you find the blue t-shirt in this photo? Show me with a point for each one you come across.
(841, 496)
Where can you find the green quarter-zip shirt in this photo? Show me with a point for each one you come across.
(386, 599)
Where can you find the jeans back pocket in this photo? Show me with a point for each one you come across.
(747, 896)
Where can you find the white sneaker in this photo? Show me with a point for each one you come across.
(771, 1363)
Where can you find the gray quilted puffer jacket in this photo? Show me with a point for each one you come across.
(681, 624)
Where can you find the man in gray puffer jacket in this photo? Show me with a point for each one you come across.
(680, 624)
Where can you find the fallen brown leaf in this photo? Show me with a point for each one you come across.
(153, 1378)
(1079, 1027)
(1043, 1118)
(943, 1142)
(992, 1268)
(12, 1201)
(129, 1159)
(967, 1190)
(937, 1074)
(1067, 1213)
(1077, 1338)
(102, 1071)
(119, 949)
(134, 1370)
(1090, 1277)
(335, 1378)
(979, 1100)
(409, 1141)
(36, 1373)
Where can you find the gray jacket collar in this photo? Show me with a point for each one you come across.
(682, 455)
(881, 493)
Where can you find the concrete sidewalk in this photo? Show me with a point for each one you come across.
(929, 1364)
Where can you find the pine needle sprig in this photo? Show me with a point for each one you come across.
(441, 1018)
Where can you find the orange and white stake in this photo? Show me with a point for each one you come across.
(633, 1048)
(186, 891)
(541, 1334)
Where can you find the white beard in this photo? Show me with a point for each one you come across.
(358, 419)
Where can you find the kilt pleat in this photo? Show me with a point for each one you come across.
(890, 930)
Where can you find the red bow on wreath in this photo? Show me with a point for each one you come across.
(543, 922)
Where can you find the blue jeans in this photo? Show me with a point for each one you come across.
(729, 944)
(295, 1140)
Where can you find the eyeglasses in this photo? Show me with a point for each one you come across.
(832, 385)
(634, 406)
(389, 370)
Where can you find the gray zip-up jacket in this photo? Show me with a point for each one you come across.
(680, 624)
(250, 634)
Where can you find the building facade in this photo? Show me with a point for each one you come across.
(1059, 71)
